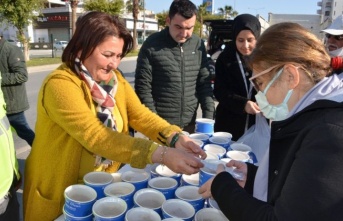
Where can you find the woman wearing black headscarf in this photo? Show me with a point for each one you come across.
(232, 88)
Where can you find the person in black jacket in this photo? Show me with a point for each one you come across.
(301, 177)
(14, 75)
(232, 89)
(172, 74)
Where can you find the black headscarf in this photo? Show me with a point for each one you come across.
(246, 22)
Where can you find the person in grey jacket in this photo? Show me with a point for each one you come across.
(14, 75)
(172, 75)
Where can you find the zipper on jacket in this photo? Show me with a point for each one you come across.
(182, 84)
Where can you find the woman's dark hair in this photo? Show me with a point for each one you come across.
(185, 8)
(92, 29)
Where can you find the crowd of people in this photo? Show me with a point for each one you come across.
(86, 108)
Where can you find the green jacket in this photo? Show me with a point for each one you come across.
(8, 160)
(14, 75)
(172, 79)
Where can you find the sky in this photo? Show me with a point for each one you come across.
(261, 7)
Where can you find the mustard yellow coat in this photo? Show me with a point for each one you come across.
(68, 133)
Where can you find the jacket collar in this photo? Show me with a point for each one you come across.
(298, 119)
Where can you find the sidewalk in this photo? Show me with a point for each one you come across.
(34, 69)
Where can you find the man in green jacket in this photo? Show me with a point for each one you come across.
(14, 75)
(172, 75)
(9, 172)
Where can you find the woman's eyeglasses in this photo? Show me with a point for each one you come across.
(253, 79)
(337, 37)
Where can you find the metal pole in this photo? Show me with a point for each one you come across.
(52, 46)
(143, 20)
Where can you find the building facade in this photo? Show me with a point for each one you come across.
(310, 22)
(329, 10)
(55, 24)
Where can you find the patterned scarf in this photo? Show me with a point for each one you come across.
(103, 96)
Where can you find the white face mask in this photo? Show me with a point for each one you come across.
(336, 53)
(273, 112)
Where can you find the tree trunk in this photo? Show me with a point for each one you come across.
(135, 12)
(73, 4)
(24, 43)
(201, 26)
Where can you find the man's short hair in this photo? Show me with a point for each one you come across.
(185, 8)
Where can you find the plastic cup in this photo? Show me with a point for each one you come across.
(68, 217)
(199, 136)
(153, 172)
(213, 204)
(142, 214)
(79, 200)
(176, 208)
(172, 219)
(204, 125)
(165, 185)
(190, 180)
(190, 194)
(210, 214)
(198, 142)
(240, 147)
(211, 155)
(149, 198)
(138, 178)
(164, 171)
(109, 209)
(221, 141)
(122, 190)
(98, 181)
(222, 134)
(238, 155)
(215, 149)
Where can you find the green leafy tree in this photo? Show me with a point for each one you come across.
(227, 12)
(113, 7)
(134, 6)
(20, 14)
(200, 17)
(161, 19)
(129, 5)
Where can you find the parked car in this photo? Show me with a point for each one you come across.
(220, 34)
(60, 45)
(14, 42)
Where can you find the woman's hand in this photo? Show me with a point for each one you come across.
(177, 160)
(252, 108)
(205, 189)
(241, 167)
(187, 144)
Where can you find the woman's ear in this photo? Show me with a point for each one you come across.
(79, 53)
(292, 76)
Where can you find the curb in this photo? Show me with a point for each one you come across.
(35, 69)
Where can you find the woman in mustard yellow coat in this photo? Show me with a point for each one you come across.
(85, 108)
